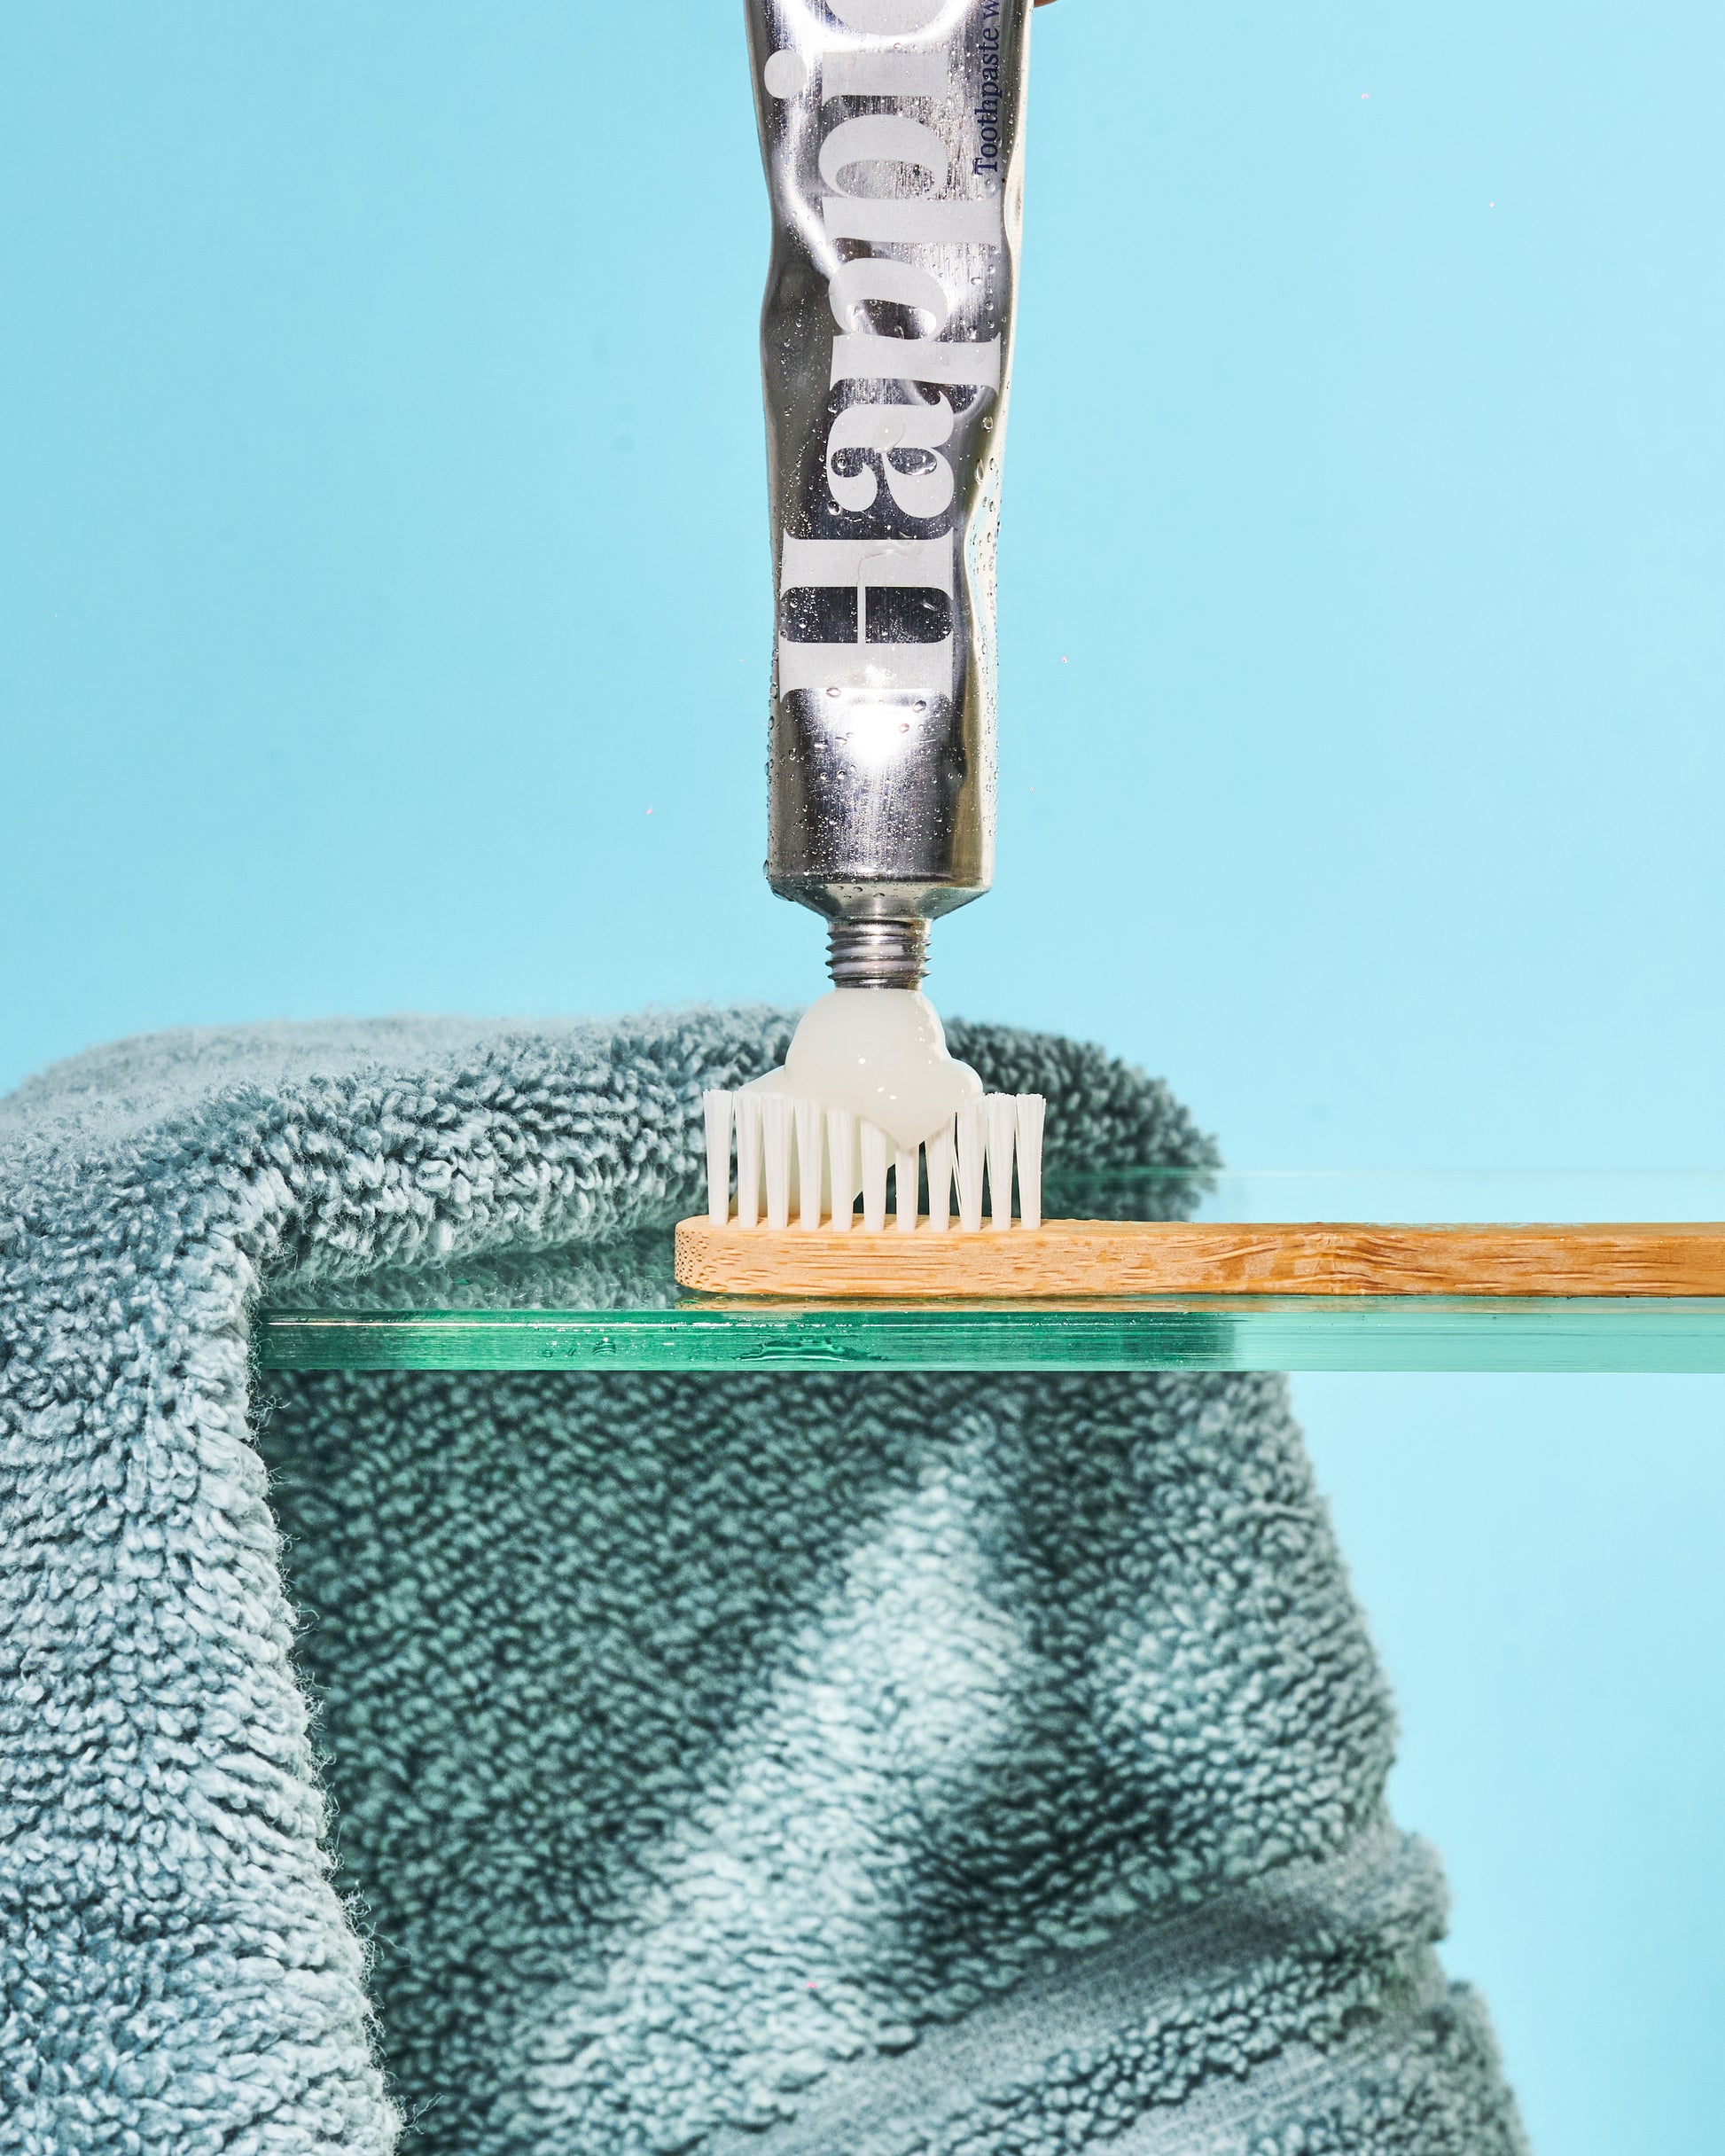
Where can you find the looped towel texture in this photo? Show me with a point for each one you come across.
(560, 1765)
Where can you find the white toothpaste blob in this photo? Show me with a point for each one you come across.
(882, 1054)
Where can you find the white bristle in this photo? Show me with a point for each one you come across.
(972, 1150)
(1002, 1126)
(841, 1159)
(939, 1181)
(1032, 1111)
(808, 1161)
(772, 1131)
(874, 1178)
(748, 1160)
(715, 1106)
(775, 1126)
(905, 1178)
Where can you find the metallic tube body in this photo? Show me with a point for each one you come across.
(891, 132)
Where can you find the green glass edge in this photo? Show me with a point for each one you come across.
(1428, 1333)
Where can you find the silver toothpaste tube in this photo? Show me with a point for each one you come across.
(891, 132)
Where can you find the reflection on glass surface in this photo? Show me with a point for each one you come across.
(1399, 1196)
(628, 1272)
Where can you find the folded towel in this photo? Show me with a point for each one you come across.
(811, 1766)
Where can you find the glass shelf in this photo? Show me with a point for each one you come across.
(615, 1306)
(1425, 1333)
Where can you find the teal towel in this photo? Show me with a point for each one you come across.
(808, 1765)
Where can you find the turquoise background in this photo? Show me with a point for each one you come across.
(384, 624)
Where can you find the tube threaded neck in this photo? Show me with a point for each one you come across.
(878, 954)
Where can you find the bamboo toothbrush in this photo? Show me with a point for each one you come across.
(793, 1230)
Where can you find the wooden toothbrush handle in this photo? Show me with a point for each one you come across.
(1073, 1258)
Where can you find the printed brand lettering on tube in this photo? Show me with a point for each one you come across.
(895, 174)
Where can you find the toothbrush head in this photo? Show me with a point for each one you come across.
(795, 1159)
